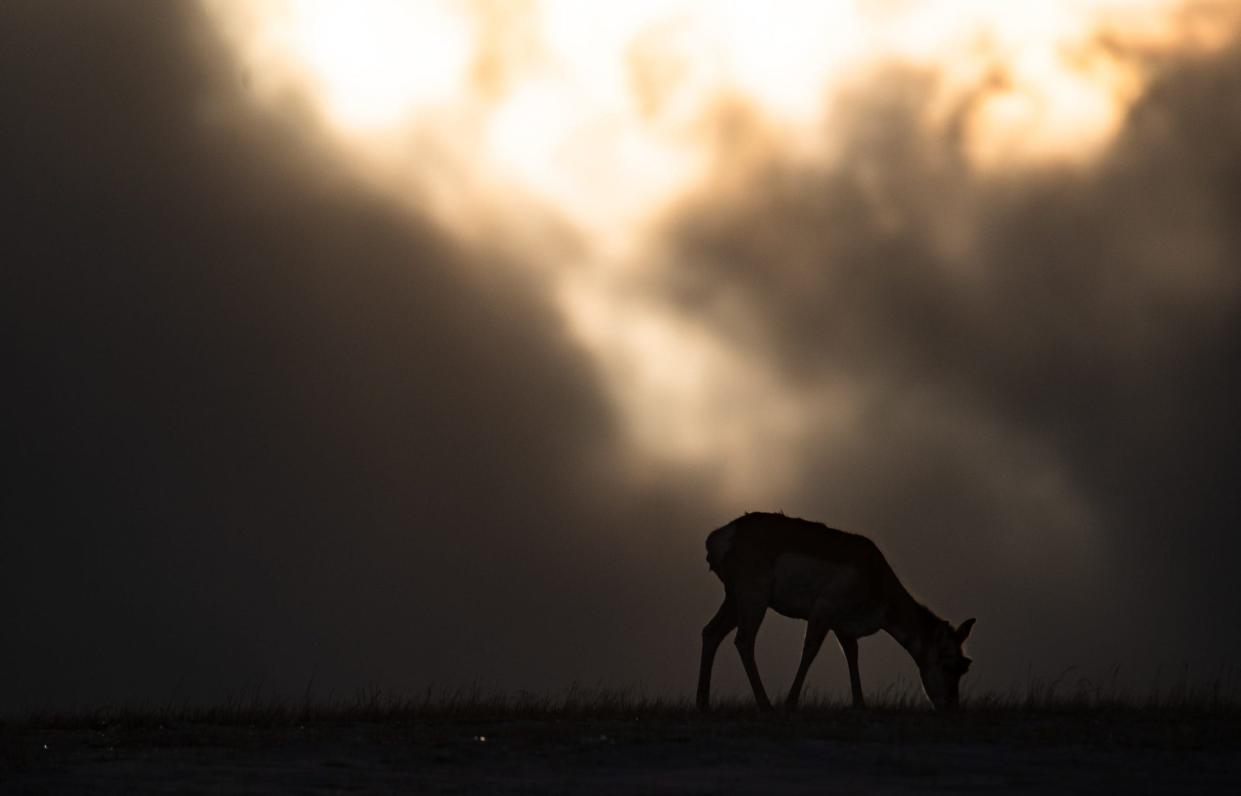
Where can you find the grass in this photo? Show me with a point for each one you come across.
(1064, 695)
(1065, 729)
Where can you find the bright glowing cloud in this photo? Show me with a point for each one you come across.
(604, 115)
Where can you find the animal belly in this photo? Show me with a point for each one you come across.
(800, 584)
(858, 623)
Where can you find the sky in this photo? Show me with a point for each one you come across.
(421, 345)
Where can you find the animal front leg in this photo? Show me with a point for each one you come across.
(849, 645)
(721, 625)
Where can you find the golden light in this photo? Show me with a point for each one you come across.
(602, 115)
(360, 65)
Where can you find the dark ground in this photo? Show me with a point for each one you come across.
(643, 750)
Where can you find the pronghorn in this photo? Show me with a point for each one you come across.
(835, 581)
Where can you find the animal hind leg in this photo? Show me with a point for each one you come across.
(849, 645)
(751, 607)
(713, 634)
(816, 631)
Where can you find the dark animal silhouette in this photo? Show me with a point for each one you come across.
(835, 581)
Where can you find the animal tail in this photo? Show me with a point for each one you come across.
(719, 543)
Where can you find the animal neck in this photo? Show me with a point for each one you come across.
(911, 624)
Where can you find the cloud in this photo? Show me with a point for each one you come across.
(267, 425)
(1035, 362)
(270, 424)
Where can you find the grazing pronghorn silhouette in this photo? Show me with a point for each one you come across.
(835, 581)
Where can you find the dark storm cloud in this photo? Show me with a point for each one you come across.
(263, 425)
(260, 425)
(1045, 360)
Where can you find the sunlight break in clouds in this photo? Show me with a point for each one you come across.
(599, 117)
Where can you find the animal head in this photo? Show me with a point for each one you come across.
(943, 664)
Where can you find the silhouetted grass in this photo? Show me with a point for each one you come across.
(1065, 733)
(1063, 695)
(472, 739)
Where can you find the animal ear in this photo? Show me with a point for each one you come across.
(963, 632)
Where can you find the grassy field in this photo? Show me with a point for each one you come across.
(602, 742)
